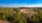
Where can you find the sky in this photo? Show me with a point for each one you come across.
(21, 3)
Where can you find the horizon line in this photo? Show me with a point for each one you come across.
(21, 5)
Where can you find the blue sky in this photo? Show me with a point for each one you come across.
(21, 3)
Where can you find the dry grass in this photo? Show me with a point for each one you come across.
(1, 21)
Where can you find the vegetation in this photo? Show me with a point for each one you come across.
(9, 14)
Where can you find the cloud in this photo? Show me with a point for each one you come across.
(21, 5)
(34, 5)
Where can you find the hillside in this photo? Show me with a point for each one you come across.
(21, 15)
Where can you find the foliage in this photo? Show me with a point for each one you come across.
(18, 16)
